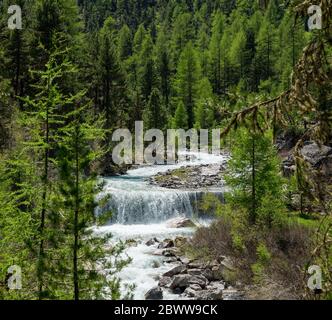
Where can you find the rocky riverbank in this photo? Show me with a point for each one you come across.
(189, 177)
(189, 278)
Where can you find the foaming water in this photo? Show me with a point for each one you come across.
(134, 201)
(140, 213)
(146, 267)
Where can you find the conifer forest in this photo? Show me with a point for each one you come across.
(165, 150)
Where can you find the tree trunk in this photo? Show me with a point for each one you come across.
(41, 257)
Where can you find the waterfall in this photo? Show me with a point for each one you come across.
(148, 204)
(133, 201)
(149, 207)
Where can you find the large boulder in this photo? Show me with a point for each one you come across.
(206, 273)
(212, 292)
(175, 271)
(315, 154)
(178, 223)
(183, 281)
(154, 294)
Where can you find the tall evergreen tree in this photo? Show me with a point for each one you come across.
(187, 79)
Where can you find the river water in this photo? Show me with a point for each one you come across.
(141, 212)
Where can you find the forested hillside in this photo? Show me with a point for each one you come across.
(78, 70)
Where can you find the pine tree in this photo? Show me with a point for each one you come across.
(187, 79)
(265, 55)
(155, 115)
(180, 120)
(15, 44)
(53, 21)
(146, 68)
(292, 39)
(124, 43)
(111, 80)
(139, 39)
(84, 252)
(182, 34)
(42, 119)
(163, 67)
(216, 52)
(204, 113)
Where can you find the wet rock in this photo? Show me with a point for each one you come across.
(155, 264)
(152, 242)
(165, 282)
(171, 252)
(175, 271)
(167, 243)
(180, 223)
(171, 260)
(158, 252)
(154, 294)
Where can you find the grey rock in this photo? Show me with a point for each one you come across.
(178, 223)
(199, 280)
(154, 294)
(167, 243)
(171, 260)
(175, 271)
(181, 281)
(191, 293)
(208, 274)
(165, 281)
(195, 287)
(185, 260)
(196, 265)
(171, 252)
(195, 272)
(151, 242)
